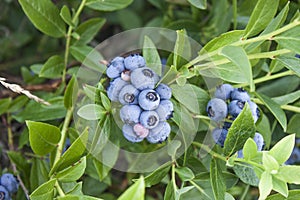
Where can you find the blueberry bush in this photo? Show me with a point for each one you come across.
(203, 104)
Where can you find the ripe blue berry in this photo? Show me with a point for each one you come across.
(130, 135)
(130, 114)
(4, 194)
(240, 94)
(227, 125)
(160, 133)
(129, 95)
(149, 119)
(10, 182)
(165, 110)
(223, 91)
(254, 109)
(164, 91)
(216, 109)
(114, 89)
(115, 68)
(149, 99)
(134, 61)
(235, 107)
(140, 130)
(144, 78)
(219, 136)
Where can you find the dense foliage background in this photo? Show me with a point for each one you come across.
(43, 43)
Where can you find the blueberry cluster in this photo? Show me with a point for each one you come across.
(8, 185)
(228, 102)
(145, 107)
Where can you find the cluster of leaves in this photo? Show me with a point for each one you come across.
(251, 45)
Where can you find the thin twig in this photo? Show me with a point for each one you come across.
(18, 89)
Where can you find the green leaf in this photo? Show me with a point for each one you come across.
(282, 150)
(289, 174)
(173, 148)
(136, 191)
(70, 90)
(273, 25)
(43, 137)
(182, 191)
(238, 56)
(91, 112)
(88, 30)
(269, 162)
(169, 192)
(53, 68)
(280, 186)
(246, 173)
(241, 129)
(217, 179)
(192, 97)
(102, 170)
(72, 173)
(72, 154)
(293, 195)
(265, 185)
(66, 15)
(290, 62)
(108, 5)
(151, 56)
(182, 49)
(156, 176)
(39, 173)
(77, 197)
(223, 40)
(201, 4)
(16, 104)
(105, 101)
(185, 173)
(288, 98)
(89, 57)
(45, 16)
(289, 39)
(4, 105)
(275, 109)
(44, 192)
(249, 149)
(261, 16)
(293, 125)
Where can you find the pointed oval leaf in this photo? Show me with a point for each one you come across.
(108, 5)
(249, 149)
(91, 112)
(136, 191)
(45, 16)
(282, 150)
(289, 174)
(72, 173)
(45, 191)
(185, 173)
(217, 179)
(66, 15)
(290, 62)
(43, 137)
(53, 68)
(201, 4)
(265, 185)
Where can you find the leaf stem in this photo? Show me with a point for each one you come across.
(63, 135)
(209, 150)
(68, 39)
(244, 42)
(284, 107)
(245, 192)
(173, 177)
(59, 189)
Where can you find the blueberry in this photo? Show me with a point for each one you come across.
(254, 109)
(115, 68)
(160, 133)
(219, 136)
(149, 119)
(130, 114)
(294, 157)
(240, 94)
(149, 99)
(10, 182)
(129, 95)
(140, 130)
(235, 107)
(134, 61)
(114, 89)
(223, 91)
(227, 125)
(216, 109)
(164, 91)
(165, 110)
(144, 78)
(297, 55)
(4, 195)
(130, 135)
